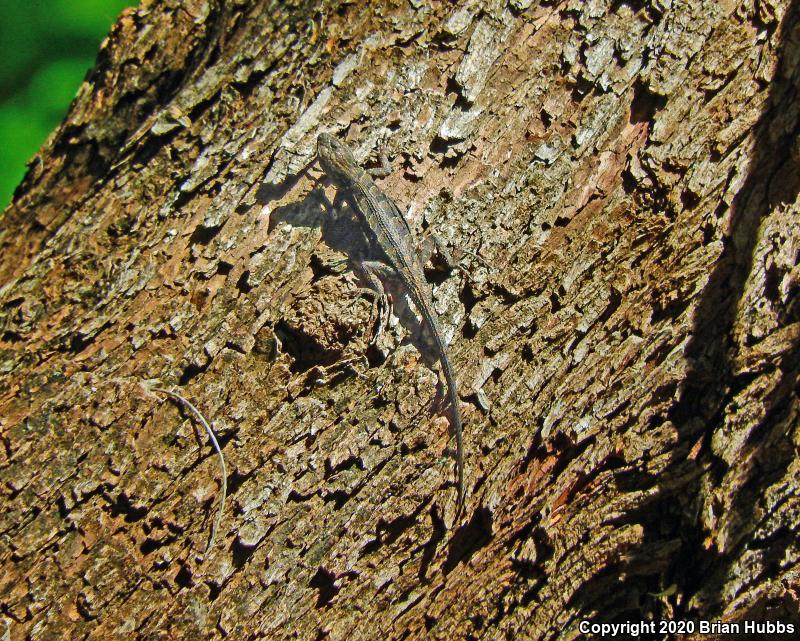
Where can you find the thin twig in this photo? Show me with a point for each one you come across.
(213, 438)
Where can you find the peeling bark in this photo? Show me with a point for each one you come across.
(628, 360)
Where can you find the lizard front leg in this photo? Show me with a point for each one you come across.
(432, 246)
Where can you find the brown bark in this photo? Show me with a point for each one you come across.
(628, 361)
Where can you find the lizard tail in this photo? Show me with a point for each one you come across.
(456, 417)
(452, 392)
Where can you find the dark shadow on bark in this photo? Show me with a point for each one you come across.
(675, 557)
(712, 383)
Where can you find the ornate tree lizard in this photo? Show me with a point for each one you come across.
(392, 256)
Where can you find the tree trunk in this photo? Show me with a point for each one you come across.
(621, 179)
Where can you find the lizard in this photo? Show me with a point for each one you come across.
(392, 256)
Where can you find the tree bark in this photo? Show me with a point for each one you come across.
(627, 356)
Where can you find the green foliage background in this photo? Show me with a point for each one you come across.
(48, 46)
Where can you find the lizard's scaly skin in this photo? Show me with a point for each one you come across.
(388, 231)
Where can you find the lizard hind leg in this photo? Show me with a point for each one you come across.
(379, 315)
(368, 273)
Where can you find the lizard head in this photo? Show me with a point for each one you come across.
(336, 159)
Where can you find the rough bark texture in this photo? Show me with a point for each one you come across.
(628, 361)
